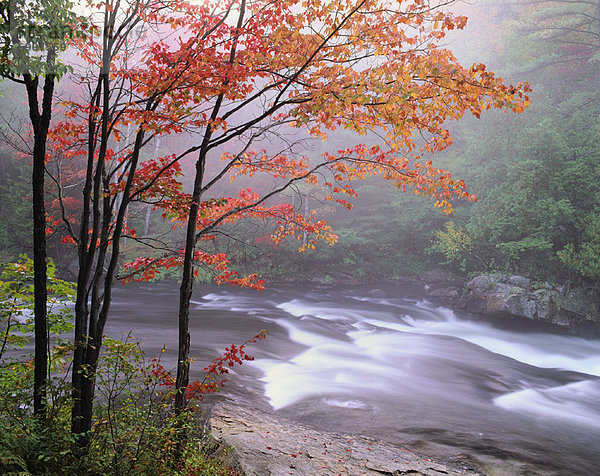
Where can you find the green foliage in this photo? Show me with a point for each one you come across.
(32, 32)
(134, 429)
(15, 208)
(536, 174)
(584, 257)
(457, 246)
(26, 447)
(16, 329)
(17, 301)
(134, 432)
(537, 203)
(25, 444)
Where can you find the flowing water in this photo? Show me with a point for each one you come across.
(513, 398)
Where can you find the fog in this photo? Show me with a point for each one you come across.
(278, 166)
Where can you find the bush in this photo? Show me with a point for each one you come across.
(134, 432)
(134, 429)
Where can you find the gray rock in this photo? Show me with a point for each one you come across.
(260, 444)
(487, 294)
(581, 302)
(519, 281)
(520, 304)
(377, 293)
(484, 284)
(568, 307)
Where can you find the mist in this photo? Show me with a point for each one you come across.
(409, 207)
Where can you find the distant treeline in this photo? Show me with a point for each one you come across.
(536, 175)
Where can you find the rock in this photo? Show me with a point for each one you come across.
(441, 286)
(519, 281)
(486, 294)
(377, 293)
(521, 305)
(581, 302)
(260, 444)
(568, 307)
(443, 294)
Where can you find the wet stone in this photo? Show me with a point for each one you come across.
(260, 443)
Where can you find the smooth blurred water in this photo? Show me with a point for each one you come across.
(515, 399)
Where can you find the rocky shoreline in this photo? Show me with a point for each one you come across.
(574, 308)
(260, 443)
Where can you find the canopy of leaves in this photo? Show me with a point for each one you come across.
(32, 33)
(275, 70)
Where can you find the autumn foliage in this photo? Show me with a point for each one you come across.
(215, 374)
(274, 69)
(246, 90)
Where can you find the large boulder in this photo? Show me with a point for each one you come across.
(520, 297)
(441, 286)
(444, 295)
(377, 293)
(259, 443)
(439, 278)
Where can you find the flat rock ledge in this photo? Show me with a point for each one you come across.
(575, 308)
(258, 443)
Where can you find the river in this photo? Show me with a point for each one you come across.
(511, 397)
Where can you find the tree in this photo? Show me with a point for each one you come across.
(243, 82)
(15, 211)
(93, 132)
(358, 70)
(565, 31)
(536, 177)
(31, 34)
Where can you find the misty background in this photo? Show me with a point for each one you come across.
(535, 175)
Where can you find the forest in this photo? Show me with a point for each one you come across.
(533, 174)
(250, 143)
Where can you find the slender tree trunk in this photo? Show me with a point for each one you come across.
(187, 278)
(39, 281)
(90, 277)
(102, 285)
(92, 246)
(90, 268)
(185, 294)
(40, 123)
(86, 251)
(100, 237)
(147, 219)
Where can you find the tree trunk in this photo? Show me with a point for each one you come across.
(185, 291)
(40, 123)
(92, 257)
(102, 283)
(187, 279)
(86, 252)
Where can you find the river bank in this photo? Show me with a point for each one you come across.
(382, 360)
(575, 308)
(259, 443)
(572, 307)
